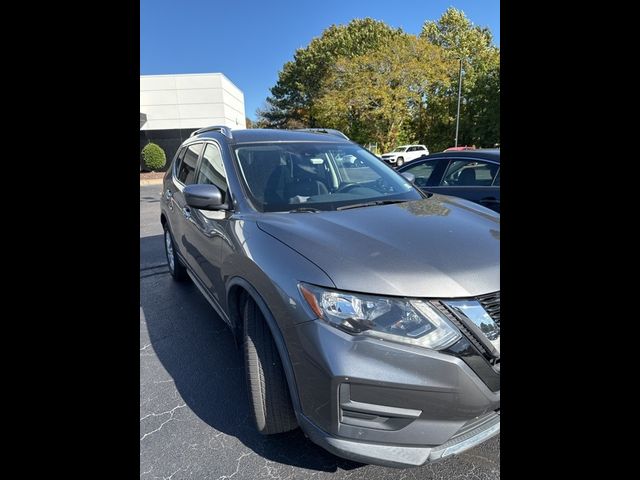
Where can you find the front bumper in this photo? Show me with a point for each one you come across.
(399, 456)
(384, 403)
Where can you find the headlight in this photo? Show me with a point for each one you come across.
(415, 322)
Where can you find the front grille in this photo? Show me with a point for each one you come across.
(491, 303)
(463, 328)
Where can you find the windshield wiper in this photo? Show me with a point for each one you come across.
(371, 204)
(304, 210)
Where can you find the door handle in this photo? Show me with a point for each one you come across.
(168, 196)
(490, 200)
(186, 211)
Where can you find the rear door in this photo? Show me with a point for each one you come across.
(473, 179)
(170, 188)
(411, 154)
(417, 151)
(184, 174)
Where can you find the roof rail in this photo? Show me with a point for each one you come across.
(226, 131)
(328, 131)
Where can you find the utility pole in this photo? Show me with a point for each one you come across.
(459, 95)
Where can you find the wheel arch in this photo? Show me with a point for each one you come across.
(240, 289)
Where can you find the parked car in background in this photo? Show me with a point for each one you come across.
(474, 175)
(368, 311)
(459, 149)
(404, 154)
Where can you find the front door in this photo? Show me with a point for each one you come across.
(205, 230)
(473, 180)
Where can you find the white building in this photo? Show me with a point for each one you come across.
(173, 106)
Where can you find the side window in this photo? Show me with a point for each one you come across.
(178, 161)
(412, 149)
(420, 148)
(469, 173)
(496, 181)
(423, 173)
(211, 168)
(187, 168)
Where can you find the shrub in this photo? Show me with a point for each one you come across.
(153, 157)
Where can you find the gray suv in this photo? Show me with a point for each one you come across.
(368, 311)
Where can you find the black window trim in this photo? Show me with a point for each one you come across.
(493, 184)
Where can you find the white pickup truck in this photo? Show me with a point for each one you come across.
(404, 154)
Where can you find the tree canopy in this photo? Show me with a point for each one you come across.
(380, 84)
(375, 96)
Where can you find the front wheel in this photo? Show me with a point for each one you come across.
(399, 162)
(266, 381)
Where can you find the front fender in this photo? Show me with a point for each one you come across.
(272, 268)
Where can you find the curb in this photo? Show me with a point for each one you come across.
(151, 181)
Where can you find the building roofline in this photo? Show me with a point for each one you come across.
(192, 75)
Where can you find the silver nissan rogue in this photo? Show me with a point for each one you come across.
(368, 311)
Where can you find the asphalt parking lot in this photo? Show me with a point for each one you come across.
(194, 412)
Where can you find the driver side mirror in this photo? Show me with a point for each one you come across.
(204, 197)
(409, 176)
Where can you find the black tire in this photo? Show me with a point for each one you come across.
(267, 385)
(176, 268)
(399, 162)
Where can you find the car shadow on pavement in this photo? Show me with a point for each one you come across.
(199, 352)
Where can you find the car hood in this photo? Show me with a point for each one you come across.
(438, 247)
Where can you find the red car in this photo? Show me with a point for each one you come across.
(459, 149)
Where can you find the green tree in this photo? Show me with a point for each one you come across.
(294, 95)
(376, 95)
(480, 110)
(153, 156)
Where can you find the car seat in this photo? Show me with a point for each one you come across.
(467, 177)
(265, 174)
(307, 181)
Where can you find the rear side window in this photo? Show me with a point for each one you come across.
(469, 173)
(187, 168)
(178, 160)
(211, 169)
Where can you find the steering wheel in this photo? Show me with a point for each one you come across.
(382, 186)
(346, 187)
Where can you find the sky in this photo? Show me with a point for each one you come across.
(250, 40)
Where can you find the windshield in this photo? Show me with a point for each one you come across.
(325, 176)
(399, 149)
